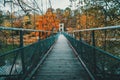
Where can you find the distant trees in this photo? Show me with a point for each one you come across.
(92, 17)
(92, 14)
(95, 13)
(110, 9)
(48, 22)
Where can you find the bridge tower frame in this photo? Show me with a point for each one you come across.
(61, 27)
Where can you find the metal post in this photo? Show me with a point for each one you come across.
(94, 54)
(104, 46)
(22, 51)
(80, 36)
(39, 43)
(93, 38)
(81, 44)
(39, 35)
(105, 40)
(46, 34)
(21, 38)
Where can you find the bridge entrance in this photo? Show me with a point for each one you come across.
(61, 27)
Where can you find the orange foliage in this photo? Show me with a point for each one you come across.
(47, 22)
(83, 20)
(88, 21)
(17, 23)
(7, 23)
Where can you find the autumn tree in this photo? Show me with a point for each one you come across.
(47, 22)
(59, 15)
(17, 23)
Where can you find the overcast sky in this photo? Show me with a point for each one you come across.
(60, 3)
(55, 4)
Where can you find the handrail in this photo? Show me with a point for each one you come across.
(22, 48)
(21, 29)
(26, 57)
(17, 49)
(102, 51)
(103, 64)
(100, 28)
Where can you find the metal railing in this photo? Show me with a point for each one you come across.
(106, 38)
(24, 56)
(102, 63)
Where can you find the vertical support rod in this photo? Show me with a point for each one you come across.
(39, 35)
(94, 54)
(105, 40)
(104, 46)
(81, 45)
(80, 35)
(46, 34)
(93, 38)
(22, 51)
(21, 38)
(42, 35)
(39, 43)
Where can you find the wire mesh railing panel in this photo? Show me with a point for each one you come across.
(108, 40)
(86, 36)
(100, 63)
(103, 63)
(10, 64)
(19, 61)
(107, 64)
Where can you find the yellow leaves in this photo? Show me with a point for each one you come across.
(26, 19)
(66, 13)
(88, 21)
(7, 23)
(83, 21)
(17, 23)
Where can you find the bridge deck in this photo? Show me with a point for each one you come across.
(61, 64)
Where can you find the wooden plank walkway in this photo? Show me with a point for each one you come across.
(61, 64)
